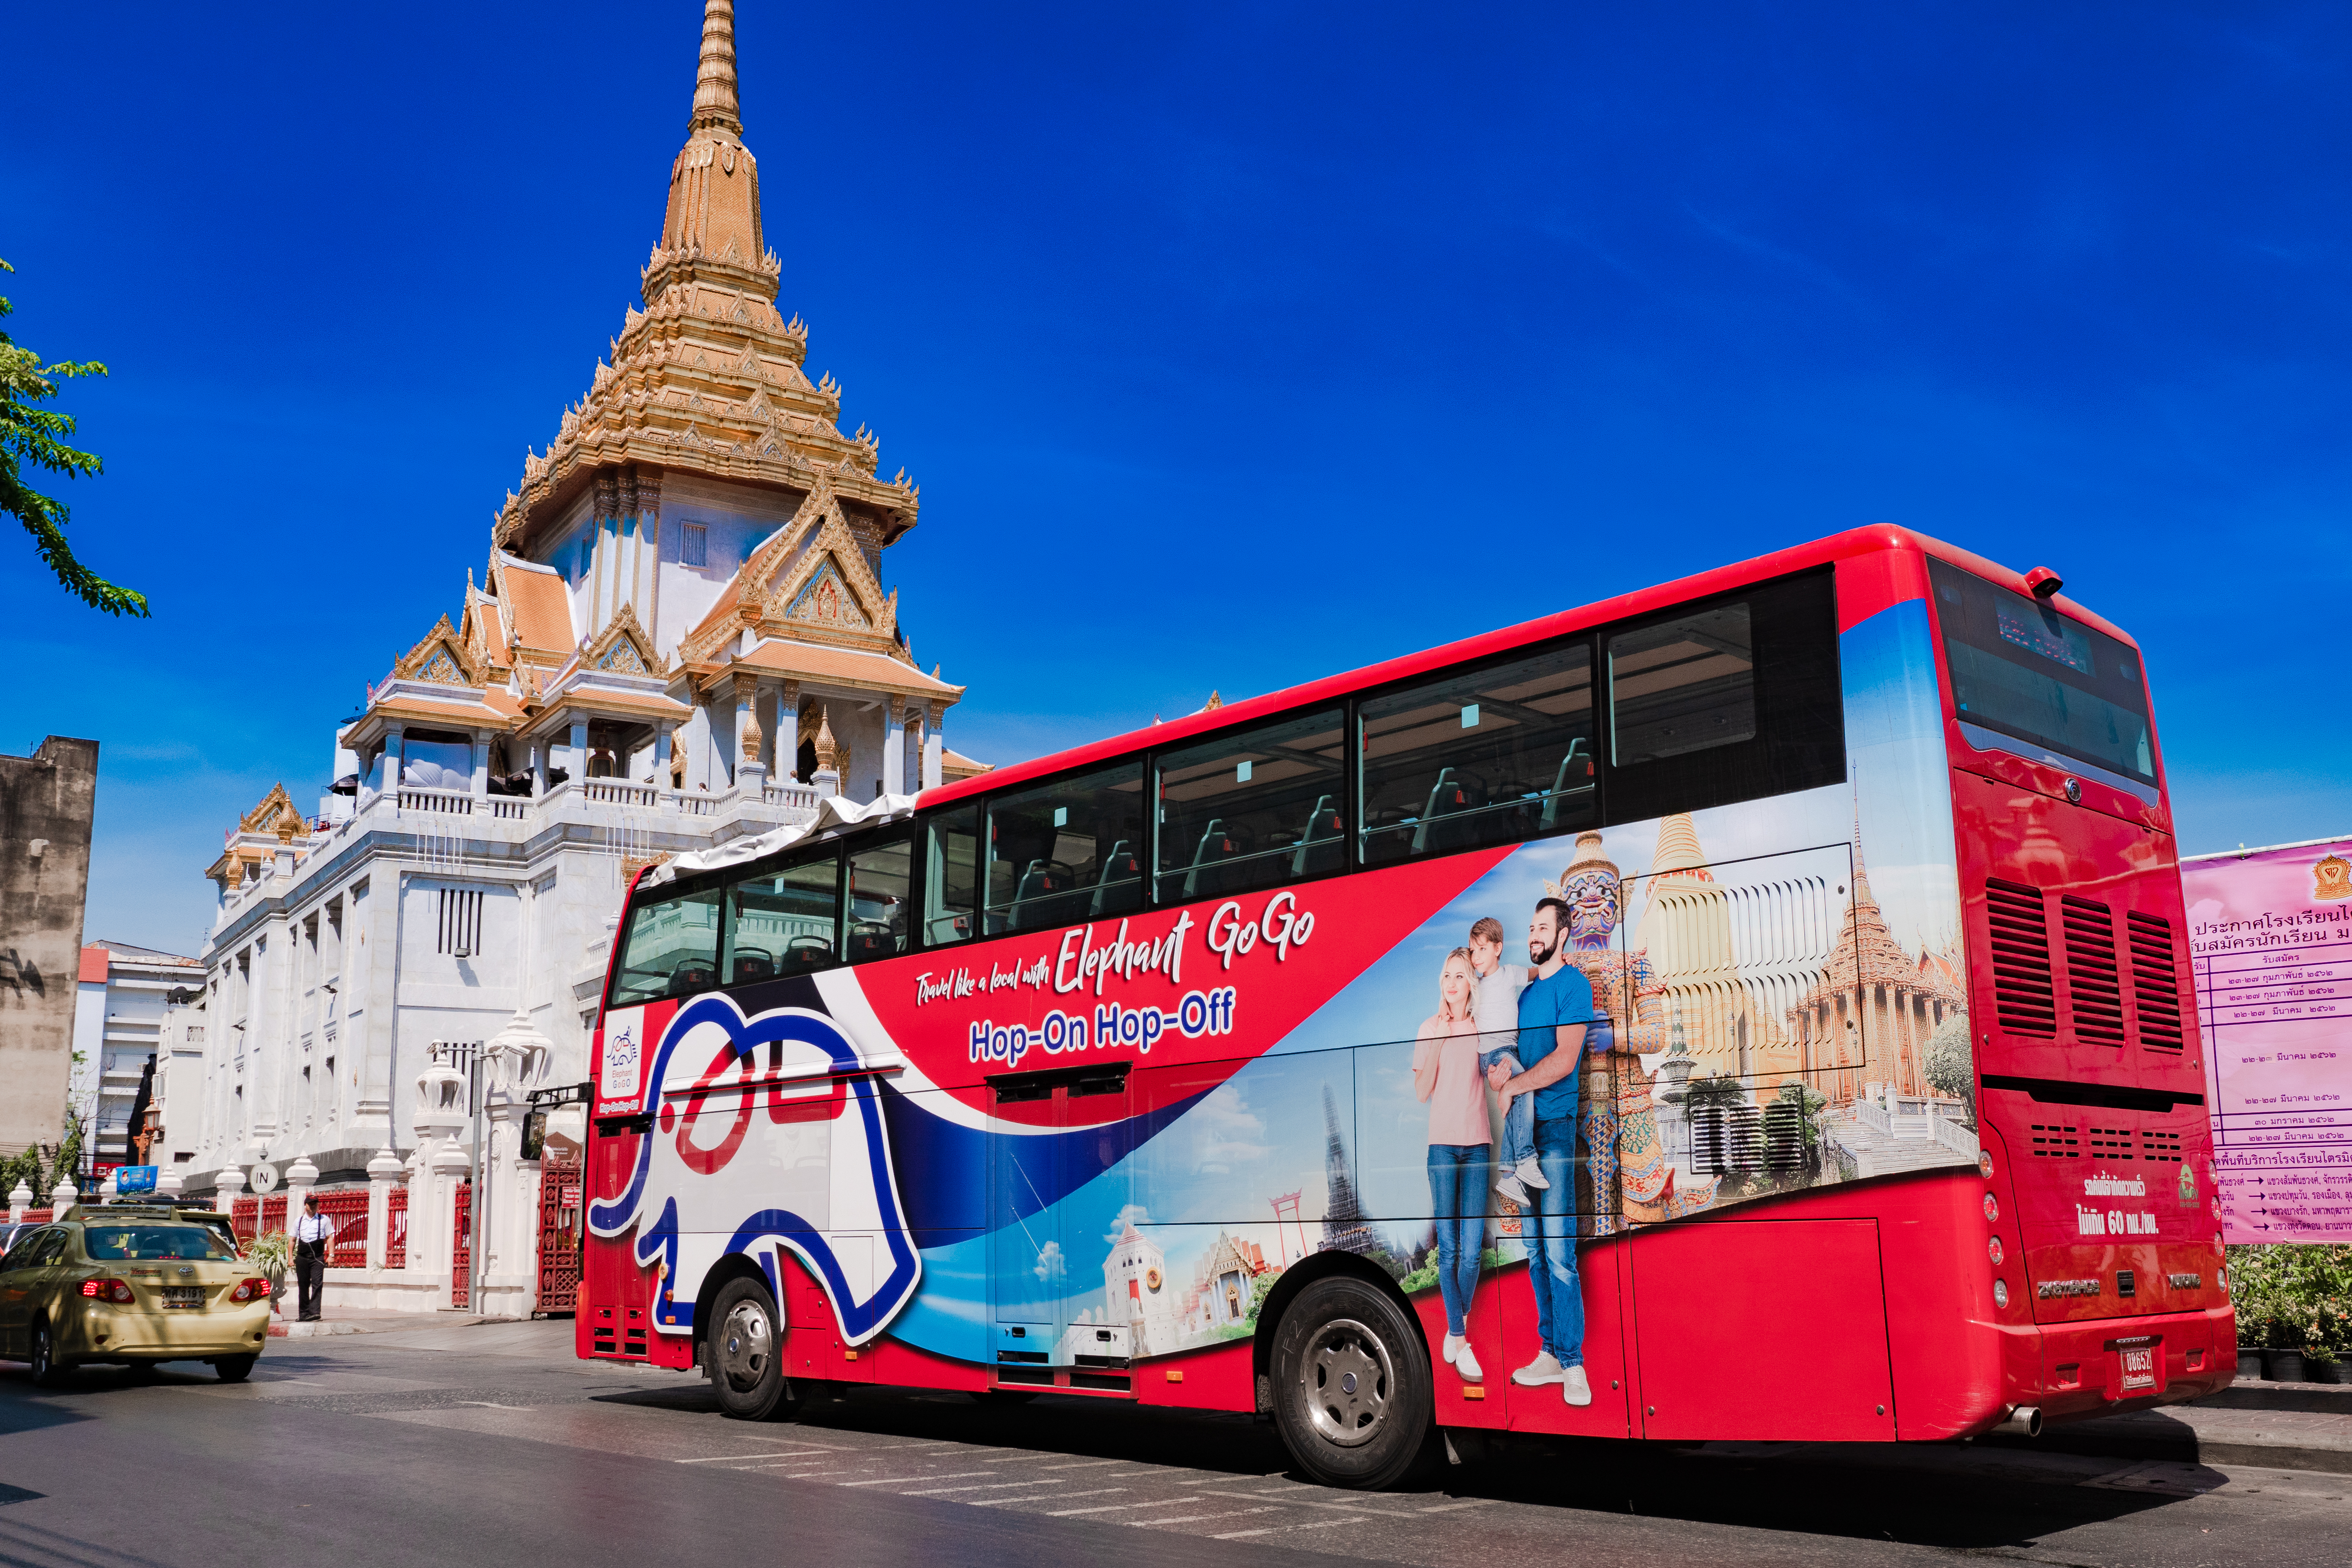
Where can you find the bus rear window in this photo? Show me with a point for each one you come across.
(2022, 668)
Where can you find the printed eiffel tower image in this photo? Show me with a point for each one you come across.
(1343, 1222)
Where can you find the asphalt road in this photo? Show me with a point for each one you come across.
(491, 1445)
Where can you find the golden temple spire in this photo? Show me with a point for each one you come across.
(715, 107)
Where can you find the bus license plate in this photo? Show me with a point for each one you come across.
(184, 1295)
(2139, 1368)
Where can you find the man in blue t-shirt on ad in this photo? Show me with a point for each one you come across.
(1555, 1012)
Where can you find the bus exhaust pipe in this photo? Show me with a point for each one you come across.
(2022, 1421)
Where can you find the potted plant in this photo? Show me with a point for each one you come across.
(271, 1253)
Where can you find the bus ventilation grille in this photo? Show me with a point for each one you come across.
(2094, 984)
(2052, 1141)
(2156, 981)
(2163, 1146)
(2023, 993)
(2111, 1142)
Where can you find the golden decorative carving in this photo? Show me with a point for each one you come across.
(442, 657)
(623, 645)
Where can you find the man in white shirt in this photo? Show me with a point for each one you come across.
(313, 1231)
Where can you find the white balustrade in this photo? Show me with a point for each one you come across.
(621, 791)
(439, 801)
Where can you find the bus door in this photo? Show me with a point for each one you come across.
(1053, 1206)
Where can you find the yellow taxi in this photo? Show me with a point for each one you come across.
(131, 1286)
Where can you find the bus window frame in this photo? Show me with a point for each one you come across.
(1611, 783)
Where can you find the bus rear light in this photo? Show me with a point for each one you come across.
(1984, 1163)
(109, 1290)
(2000, 1293)
(1992, 1208)
(1992, 1250)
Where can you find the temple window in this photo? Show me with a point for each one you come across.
(693, 545)
(431, 759)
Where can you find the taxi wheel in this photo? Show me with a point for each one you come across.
(47, 1371)
(745, 1354)
(235, 1368)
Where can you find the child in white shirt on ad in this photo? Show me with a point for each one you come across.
(1499, 985)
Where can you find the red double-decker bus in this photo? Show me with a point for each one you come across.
(1754, 1008)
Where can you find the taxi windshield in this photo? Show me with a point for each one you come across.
(138, 1242)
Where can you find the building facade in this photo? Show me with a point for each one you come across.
(46, 805)
(131, 1021)
(680, 636)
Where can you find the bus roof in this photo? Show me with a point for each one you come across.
(1851, 545)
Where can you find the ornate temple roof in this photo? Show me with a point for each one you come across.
(708, 377)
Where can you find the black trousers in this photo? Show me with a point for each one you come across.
(311, 1275)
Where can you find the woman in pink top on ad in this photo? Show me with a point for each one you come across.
(1446, 1075)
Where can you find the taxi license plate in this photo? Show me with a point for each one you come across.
(183, 1296)
(2139, 1368)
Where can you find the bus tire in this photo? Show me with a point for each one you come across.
(746, 1353)
(1351, 1385)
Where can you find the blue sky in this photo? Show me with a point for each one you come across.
(1230, 347)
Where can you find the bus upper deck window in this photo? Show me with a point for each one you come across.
(1682, 686)
(672, 949)
(951, 876)
(785, 922)
(1065, 852)
(877, 907)
(1251, 809)
(1489, 757)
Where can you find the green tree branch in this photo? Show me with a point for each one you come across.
(33, 435)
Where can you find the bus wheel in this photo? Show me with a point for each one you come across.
(746, 1353)
(1352, 1393)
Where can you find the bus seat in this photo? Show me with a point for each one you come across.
(693, 974)
(1034, 897)
(1216, 846)
(870, 939)
(1122, 870)
(1575, 774)
(805, 953)
(1449, 796)
(1319, 846)
(753, 963)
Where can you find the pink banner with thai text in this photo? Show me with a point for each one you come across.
(2270, 937)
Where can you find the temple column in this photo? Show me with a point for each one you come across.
(576, 759)
(482, 764)
(394, 735)
(751, 773)
(661, 753)
(788, 731)
(934, 717)
(538, 766)
(894, 746)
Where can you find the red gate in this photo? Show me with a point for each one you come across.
(395, 1224)
(461, 1267)
(346, 1209)
(558, 1235)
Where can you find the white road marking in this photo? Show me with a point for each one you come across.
(1450, 1507)
(725, 1459)
(1113, 1507)
(1282, 1529)
(1306, 1502)
(901, 1480)
(1065, 1496)
(979, 1487)
(1195, 1517)
(1083, 1465)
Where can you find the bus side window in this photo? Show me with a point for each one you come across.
(1493, 756)
(951, 876)
(1681, 686)
(672, 951)
(1067, 852)
(786, 922)
(1252, 809)
(878, 875)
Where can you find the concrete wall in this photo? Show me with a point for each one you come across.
(45, 804)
